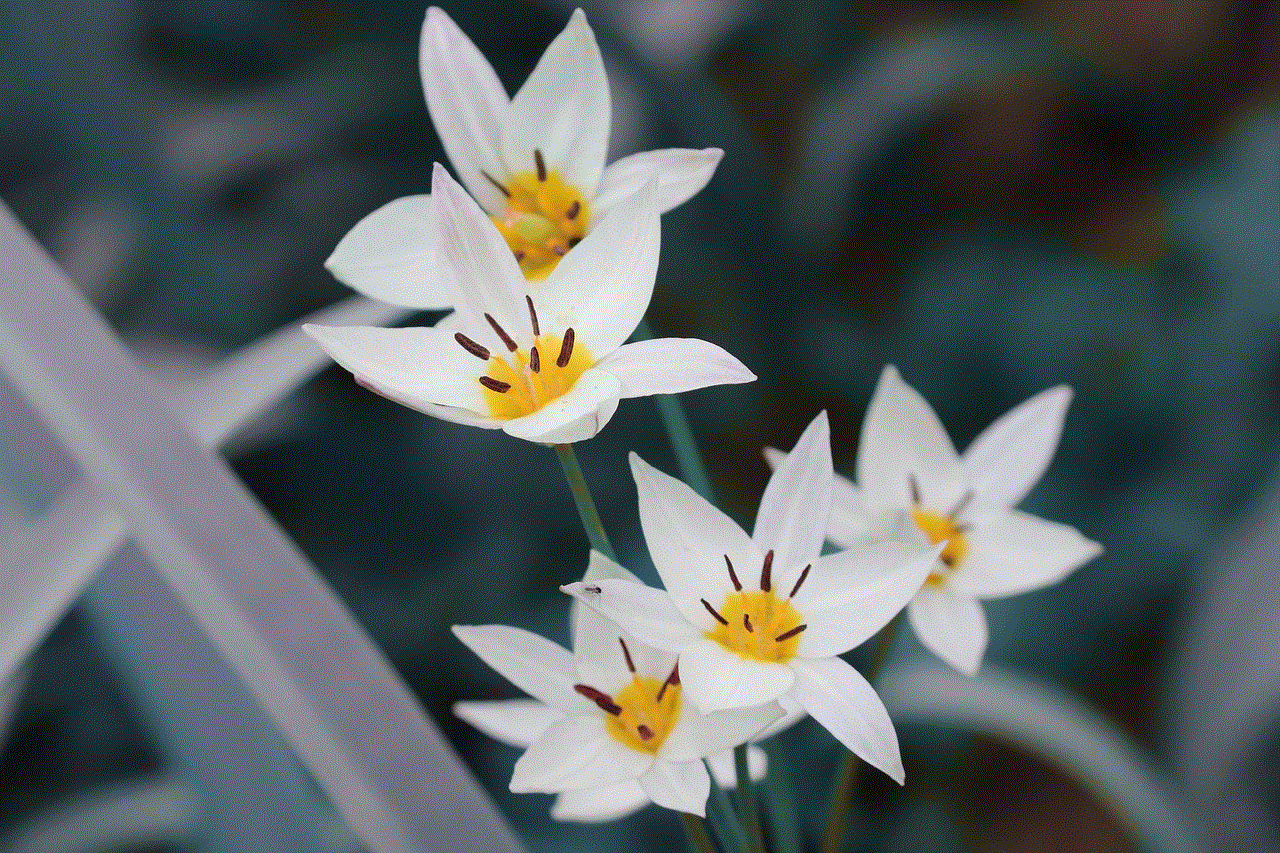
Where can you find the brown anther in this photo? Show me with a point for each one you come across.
(471, 346)
(559, 251)
(799, 581)
(960, 504)
(746, 623)
(535, 360)
(766, 572)
(500, 332)
(603, 700)
(574, 210)
(519, 255)
(533, 315)
(712, 611)
(787, 635)
(915, 489)
(566, 349)
(495, 384)
(626, 653)
(644, 731)
(491, 179)
(673, 678)
(540, 165)
(733, 576)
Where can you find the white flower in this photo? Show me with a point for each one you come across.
(547, 367)
(762, 617)
(912, 486)
(534, 162)
(608, 729)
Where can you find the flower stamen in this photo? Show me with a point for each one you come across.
(479, 351)
(533, 315)
(497, 386)
(787, 635)
(626, 654)
(766, 573)
(491, 179)
(799, 581)
(960, 504)
(733, 576)
(566, 348)
(746, 623)
(540, 165)
(603, 700)
(714, 612)
(500, 332)
(535, 360)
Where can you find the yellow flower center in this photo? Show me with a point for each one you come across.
(647, 712)
(942, 528)
(545, 218)
(758, 625)
(524, 380)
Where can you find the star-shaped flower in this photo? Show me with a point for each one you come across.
(761, 617)
(608, 728)
(547, 367)
(536, 163)
(913, 486)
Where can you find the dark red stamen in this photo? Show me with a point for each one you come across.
(491, 179)
(559, 251)
(733, 576)
(574, 210)
(603, 700)
(960, 504)
(471, 346)
(566, 349)
(800, 580)
(766, 572)
(495, 384)
(502, 333)
(712, 611)
(533, 315)
(915, 489)
(644, 731)
(787, 635)
(535, 360)
(746, 623)
(673, 678)
(540, 165)
(626, 653)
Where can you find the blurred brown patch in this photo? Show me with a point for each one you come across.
(772, 98)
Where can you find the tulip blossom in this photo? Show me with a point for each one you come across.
(548, 366)
(760, 618)
(535, 162)
(607, 729)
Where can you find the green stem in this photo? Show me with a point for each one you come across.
(722, 818)
(747, 808)
(696, 830)
(582, 497)
(683, 444)
(842, 795)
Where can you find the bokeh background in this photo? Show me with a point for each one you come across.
(996, 197)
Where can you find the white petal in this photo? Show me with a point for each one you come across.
(714, 679)
(645, 613)
(1010, 553)
(517, 722)
(848, 525)
(951, 626)
(602, 288)
(850, 595)
(467, 104)
(563, 110)
(672, 366)
(682, 786)
(792, 518)
(600, 803)
(1009, 457)
(698, 735)
(678, 174)
(576, 753)
(901, 438)
(596, 650)
(575, 416)
(725, 771)
(390, 255)
(417, 366)
(477, 269)
(689, 540)
(536, 665)
(792, 713)
(838, 697)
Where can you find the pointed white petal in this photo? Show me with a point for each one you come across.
(563, 110)
(477, 269)
(682, 786)
(1010, 456)
(901, 438)
(517, 722)
(792, 713)
(645, 613)
(536, 665)
(838, 697)
(596, 650)
(850, 595)
(467, 104)
(576, 753)
(951, 626)
(390, 255)
(792, 518)
(672, 366)
(417, 366)
(602, 288)
(1011, 553)
(725, 772)
(600, 803)
(848, 525)
(714, 679)
(689, 540)
(698, 735)
(678, 174)
(575, 416)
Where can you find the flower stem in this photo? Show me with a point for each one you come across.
(747, 809)
(696, 830)
(722, 819)
(842, 795)
(582, 497)
(676, 423)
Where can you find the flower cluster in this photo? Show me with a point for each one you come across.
(547, 277)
